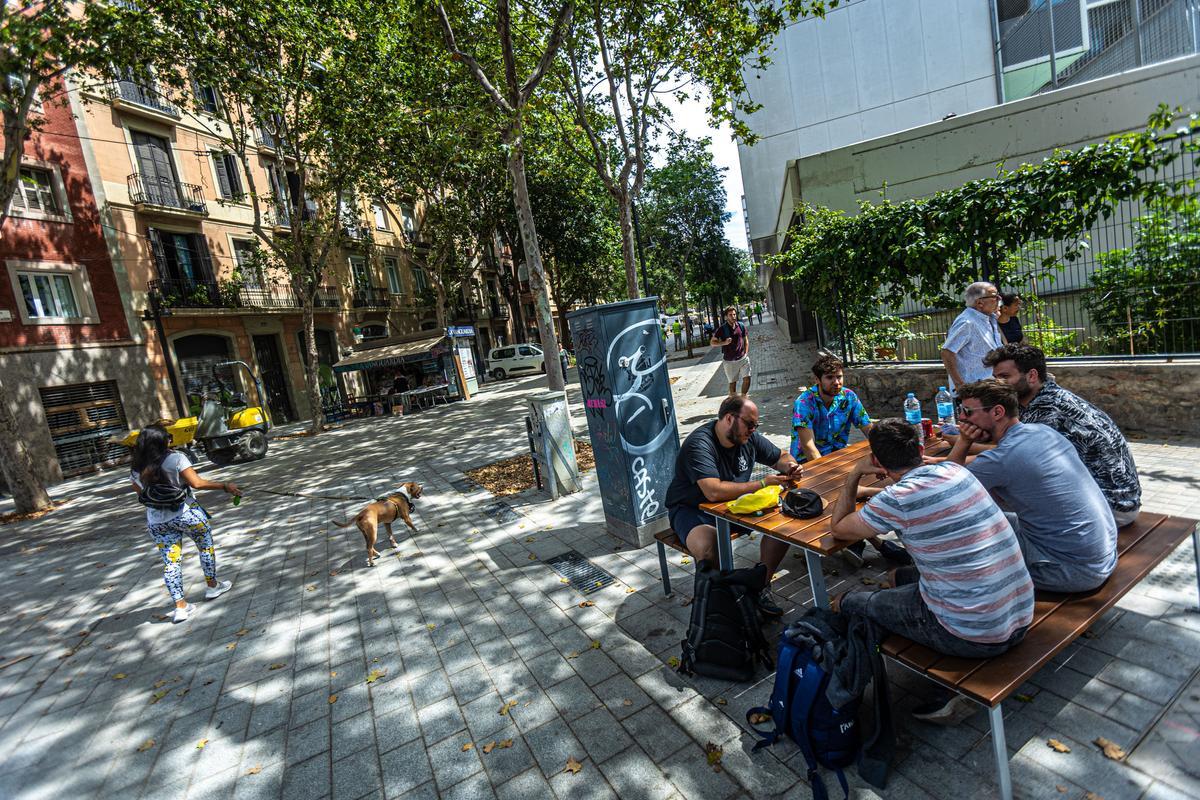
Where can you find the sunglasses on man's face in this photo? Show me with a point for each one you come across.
(750, 425)
(963, 411)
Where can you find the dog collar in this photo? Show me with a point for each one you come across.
(407, 496)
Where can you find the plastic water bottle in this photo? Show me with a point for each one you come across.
(945, 406)
(912, 415)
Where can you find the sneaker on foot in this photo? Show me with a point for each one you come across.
(767, 605)
(181, 614)
(854, 553)
(894, 553)
(945, 712)
(213, 592)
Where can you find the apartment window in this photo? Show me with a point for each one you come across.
(51, 293)
(37, 192)
(207, 99)
(392, 268)
(374, 332)
(16, 85)
(181, 258)
(229, 180)
(245, 257)
(408, 220)
(420, 280)
(358, 269)
(380, 216)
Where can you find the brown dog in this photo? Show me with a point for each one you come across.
(385, 510)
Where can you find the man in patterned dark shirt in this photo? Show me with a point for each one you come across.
(1096, 438)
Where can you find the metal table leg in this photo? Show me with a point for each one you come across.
(724, 545)
(1196, 552)
(662, 566)
(1000, 750)
(817, 579)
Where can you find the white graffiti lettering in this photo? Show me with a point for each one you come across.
(647, 505)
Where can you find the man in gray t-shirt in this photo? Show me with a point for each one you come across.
(1066, 528)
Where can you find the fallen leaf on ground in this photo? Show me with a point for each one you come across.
(573, 766)
(687, 602)
(467, 746)
(759, 718)
(375, 675)
(673, 661)
(587, 604)
(504, 709)
(242, 632)
(254, 770)
(1111, 749)
(530, 539)
(630, 590)
(685, 561)
(626, 702)
(120, 676)
(1024, 698)
(595, 644)
(489, 747)
(563, 580)
(869, 581)
(573, 654)
(1061, 789)
(505, 744)
(532, 557)
(312, 587)
(713, 753)
(430, 626)
(146, 745)
(721, 701)
(276, 666)
(159, 695)
(231, 645)
(158, 684)
(15, 517)
(334, 572)
(333, 674)
(200, 744)
(332, 699)
(1093, 795)
(1055, 744)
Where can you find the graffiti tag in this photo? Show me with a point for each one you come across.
(631, 371)
(647, 505)
(592, 380)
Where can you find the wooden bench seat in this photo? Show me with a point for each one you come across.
(668, 538)
(1058, 620)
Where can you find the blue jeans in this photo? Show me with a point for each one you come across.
(903, 611)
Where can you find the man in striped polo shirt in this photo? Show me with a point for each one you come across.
(969, 593)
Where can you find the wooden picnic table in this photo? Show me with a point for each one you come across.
(826, 476)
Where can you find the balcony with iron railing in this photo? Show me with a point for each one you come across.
(499, 310)
(174, 293)
(145, 100)
(154, 193)
(328, 297)
(371, 297)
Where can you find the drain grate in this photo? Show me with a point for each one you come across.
(501, 512)
(585, 577)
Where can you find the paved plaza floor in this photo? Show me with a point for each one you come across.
(462, 666)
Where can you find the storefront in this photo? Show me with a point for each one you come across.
(410, 374)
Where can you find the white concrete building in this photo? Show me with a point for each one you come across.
(922, 95)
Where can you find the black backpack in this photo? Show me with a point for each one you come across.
(724, 638)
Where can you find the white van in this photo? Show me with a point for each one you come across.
(515, 358)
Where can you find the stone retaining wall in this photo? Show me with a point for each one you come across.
(1160, 397)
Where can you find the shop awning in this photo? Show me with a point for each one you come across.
(386, 355)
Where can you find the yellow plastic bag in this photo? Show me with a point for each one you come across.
(756, 502)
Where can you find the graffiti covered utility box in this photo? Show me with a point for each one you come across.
(553, 446)
(622, 364)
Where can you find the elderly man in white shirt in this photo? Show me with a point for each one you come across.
(972, 335)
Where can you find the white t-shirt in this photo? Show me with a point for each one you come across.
(172, 466)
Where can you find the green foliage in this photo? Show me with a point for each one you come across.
(1147, 297)
(842, 265)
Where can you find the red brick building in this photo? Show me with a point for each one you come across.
(71, 356)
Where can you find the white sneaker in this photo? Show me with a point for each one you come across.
(213, 592)
(949, 713)
(181, 614)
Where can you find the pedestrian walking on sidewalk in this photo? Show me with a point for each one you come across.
(731, 337)
(758, 312)
(164, 480)
(677, 329)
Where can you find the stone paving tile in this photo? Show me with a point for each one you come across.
(528, 784)
(552, 744)
(405, 768)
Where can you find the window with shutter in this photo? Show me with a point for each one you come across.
(36, 192)
(393, 275)
(229, 180)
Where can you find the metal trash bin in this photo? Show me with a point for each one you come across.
(622, 366)
(552, 444)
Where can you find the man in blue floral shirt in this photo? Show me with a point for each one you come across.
(823, 413)
(821, 419)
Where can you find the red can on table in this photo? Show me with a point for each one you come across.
(927, 427)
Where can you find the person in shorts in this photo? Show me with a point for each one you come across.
(714, 465)
(735, 351)
(968, 593)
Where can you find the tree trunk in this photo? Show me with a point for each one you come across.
(687, 318)
(23, 481)
(312, 374)
(628, 246)
(533, 259)
(556, 293)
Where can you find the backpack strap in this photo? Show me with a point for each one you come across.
(779, 700)
(806, 693)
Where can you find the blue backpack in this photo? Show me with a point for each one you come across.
(828, 736)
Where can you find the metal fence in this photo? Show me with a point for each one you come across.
(1046, 44)
(1133, 291)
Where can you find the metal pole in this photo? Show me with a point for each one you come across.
(1053, 47)
(637, 240)
(997, 55)
(1136, 8)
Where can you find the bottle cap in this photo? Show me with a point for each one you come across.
(941, 388)
(910, 394)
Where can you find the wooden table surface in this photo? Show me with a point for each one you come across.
(825, 477)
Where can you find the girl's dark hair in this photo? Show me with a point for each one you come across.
(152, 446)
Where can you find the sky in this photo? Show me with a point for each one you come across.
(690, 118)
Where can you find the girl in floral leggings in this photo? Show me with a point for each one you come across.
(155, 463)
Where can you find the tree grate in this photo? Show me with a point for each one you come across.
(464, 485)
(584, 576)
(501, 512)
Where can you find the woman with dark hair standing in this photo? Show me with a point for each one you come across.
(164, 480)
(1006, 317)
